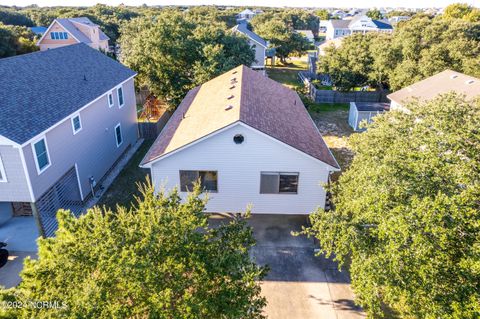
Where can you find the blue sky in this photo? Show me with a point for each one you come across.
(275, 3)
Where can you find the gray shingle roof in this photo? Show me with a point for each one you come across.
(70, 27)
(340, 24)
(39, 89)
(242, 28)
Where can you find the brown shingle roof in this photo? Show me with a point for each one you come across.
(257, 101)
(440, 83)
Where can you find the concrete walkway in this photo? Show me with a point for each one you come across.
(10, 273)
(299, 284)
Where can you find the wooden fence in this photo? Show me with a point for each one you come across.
(331, 96)
(150, 130)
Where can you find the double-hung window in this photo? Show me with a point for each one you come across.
(208, 180)
(110, 99)
(118, 135)
(121, 101)
(76, 124)
(42, 159)
(278, 183)
(3, 176)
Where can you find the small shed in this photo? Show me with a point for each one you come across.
(364, 111)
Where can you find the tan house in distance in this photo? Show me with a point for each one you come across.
(68, 31)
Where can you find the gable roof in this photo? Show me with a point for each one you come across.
(45, 87)
(242, 28)
(257, 101)
(69, 26)
(307, 33)
(440, 83)
(246, 11)
(382, 25)
(340, 24)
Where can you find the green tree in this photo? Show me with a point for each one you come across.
(462, 11)
(159, 259)
(374, 14)
(282, 37)
(16, 40)
(406, 212)
(173, 52)
(322, 14)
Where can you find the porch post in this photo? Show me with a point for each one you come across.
(37, 219)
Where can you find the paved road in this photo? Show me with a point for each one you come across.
(299, 285)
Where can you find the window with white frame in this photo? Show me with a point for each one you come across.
(42, 159)
(3, 175)
(59, 35)
(76, 124)
(121, 101)
(110, 99)
(118, 135)
(278, 183)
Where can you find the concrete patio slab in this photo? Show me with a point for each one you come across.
(20, 234)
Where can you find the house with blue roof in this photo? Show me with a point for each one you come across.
(67, 116)
(359, 24)
(69, 31)
(256, 42)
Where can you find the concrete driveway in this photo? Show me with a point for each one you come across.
(299, 285)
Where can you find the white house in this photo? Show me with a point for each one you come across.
(257, 43)
(249, 140)
(364, 112)
(246, 15)
(440, 83)
(360, 24)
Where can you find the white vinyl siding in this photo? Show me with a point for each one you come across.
(3, 175)
(239, 167)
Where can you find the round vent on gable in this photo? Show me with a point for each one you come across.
(238, 139)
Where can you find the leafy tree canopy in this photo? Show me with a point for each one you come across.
(462, 11)
(173, 52)
(407, 213)
(418, 48)
(322, 14)
(157, 260)
(374, 14)
(281, 35)
(16, 40)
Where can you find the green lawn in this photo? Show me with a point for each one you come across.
(124, 188)
(287, 74)
(326, 107)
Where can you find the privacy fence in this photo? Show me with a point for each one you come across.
(332, 96)
(150, 130)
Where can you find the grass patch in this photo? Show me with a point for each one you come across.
(124, 188)
(287, 74)
(326, 107)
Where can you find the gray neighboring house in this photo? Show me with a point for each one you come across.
(364, 111)
(67, 116)
(257, 43)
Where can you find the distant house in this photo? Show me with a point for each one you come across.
(257, 43)
(339, 14)
(38, 30)
(68, 31)
(307, 34)
(248, 140)
(246, 15)
(360, 24)
(67, 116)
(336, 43)
(364, 112)
(396, 19)
(429, 88)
